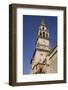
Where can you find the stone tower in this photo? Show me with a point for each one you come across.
(39, 61)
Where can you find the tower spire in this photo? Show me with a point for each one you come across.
(42, 22)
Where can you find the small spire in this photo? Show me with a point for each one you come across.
(42, 22)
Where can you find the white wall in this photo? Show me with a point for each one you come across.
(4, 47)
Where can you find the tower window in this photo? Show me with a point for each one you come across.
(40, 34)
(46, 36)
(43, 34)
(43, 28)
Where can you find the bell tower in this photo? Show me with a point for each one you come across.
(43, 37)
(41, 51)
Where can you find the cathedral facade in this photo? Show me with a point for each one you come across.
(44, 59)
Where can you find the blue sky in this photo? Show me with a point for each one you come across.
(30, 29)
